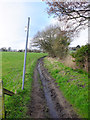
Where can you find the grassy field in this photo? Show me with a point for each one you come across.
(12, 71)
(73, 84)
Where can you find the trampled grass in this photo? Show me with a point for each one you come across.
(12, 71)
(73, 84)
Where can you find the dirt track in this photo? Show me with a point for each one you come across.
(47, 100)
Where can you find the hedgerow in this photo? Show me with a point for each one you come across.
(82, 56)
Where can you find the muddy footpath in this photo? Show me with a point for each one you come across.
(47, 100)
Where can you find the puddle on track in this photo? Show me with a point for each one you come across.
(50, 104)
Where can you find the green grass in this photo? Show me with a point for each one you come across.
(12, 71)
(73, 84)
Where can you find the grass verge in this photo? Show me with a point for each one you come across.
(12, 70)
(73, 84)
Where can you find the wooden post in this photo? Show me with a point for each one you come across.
(2, 110)
(2, 92)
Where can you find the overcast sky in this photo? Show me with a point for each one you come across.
(13, 19)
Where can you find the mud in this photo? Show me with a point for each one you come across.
(38, 107)
(47, 100)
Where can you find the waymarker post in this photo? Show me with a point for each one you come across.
(25, 54)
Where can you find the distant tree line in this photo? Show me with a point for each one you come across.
(74, 48)
(4, 49)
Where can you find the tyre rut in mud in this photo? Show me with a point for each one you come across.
(47, 100)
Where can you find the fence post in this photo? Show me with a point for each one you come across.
(25, 54)
(2, 110)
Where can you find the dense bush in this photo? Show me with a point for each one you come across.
(60, 46)
(82, 56)
(53, 40)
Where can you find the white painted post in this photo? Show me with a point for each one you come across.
(25, 55)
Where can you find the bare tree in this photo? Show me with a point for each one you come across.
(76, 13)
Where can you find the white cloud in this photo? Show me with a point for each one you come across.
(54, 21)
(82, 39)
(10, 25)
(13, 19)
(18, 1)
